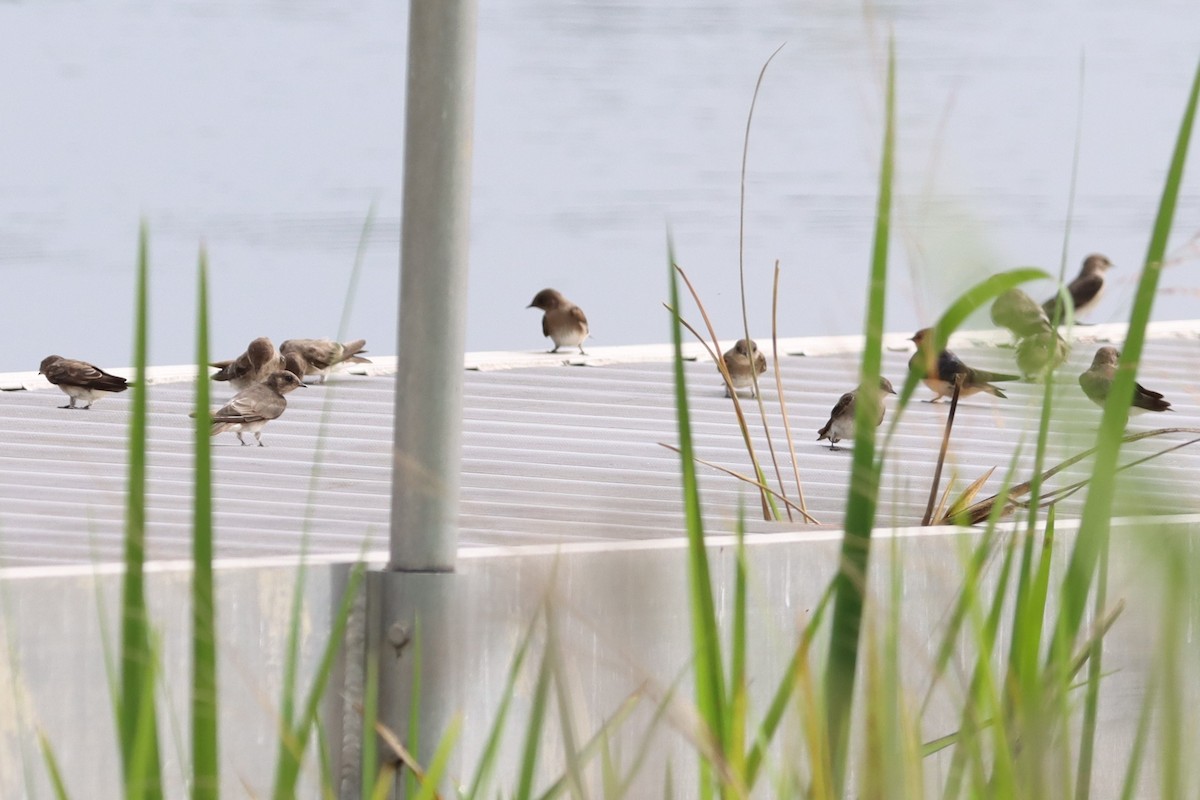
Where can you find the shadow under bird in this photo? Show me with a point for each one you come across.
(253, 407)
(320, 356)
(1085, 290)
(80, 380)
(744, 361)
(252, 366)
(564, 322)
(1097, 381)
(939, 371)
(841, 419)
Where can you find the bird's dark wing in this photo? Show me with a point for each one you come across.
(1085, 288)
(546, 324)
(1142, 390)
(949, 365)
(71, 372)
(255, 404)
(577, 314)
(844, 406)
(1151, 401)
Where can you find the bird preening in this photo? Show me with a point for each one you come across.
(841, 419)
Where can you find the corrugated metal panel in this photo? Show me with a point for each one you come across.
(552, 453)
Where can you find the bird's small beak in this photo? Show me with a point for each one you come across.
(529, 306)
(303, 385)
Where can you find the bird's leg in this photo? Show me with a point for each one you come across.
(241, 441)
(833, 446)
(69, 405)
(258, 438)
(581, 351)
(555, 350)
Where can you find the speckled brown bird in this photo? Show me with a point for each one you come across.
(320, 356)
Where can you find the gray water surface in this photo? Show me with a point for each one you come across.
(265, 130)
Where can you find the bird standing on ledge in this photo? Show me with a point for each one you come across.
(80, 380)
(1085, 290)
(1097, 381)
(564, 322)
(939, 370)
(743, 361)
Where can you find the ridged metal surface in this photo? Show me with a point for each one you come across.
(552, 453)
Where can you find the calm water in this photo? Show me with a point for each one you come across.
(267, 129)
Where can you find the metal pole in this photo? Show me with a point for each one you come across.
(433, 285)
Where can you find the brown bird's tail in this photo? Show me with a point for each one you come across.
(111, 383)
(994, 390)
(824, 432)
(351, 350)
(993, 377)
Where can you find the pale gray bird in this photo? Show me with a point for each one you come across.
(564, 322)
(939, 371)
(252, 366)
(841, 419)
(744, 361)
(1085, 290)
(252, 408)
(80, 380)
(1097, 381)
(320, 356)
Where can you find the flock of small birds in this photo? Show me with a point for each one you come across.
(262, 375)
(1040, 348)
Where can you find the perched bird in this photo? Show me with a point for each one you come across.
(80, 380)
(841, 419)
(744, 361)
(1041, 352)
(294, 362)
(1097, 381)
(320, 356)
(252, 408)
(564, 322)
(1019, 313)
(252, 366)
(938, 371)
(1085, 290)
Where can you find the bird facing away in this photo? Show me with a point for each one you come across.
(1085, 290)
(80, 380)
(564, 322)
(320, 356)
(938, 371)
(1019, 313)
(744, 361)
(1097, 381)
(251, 367)
(252, 408)
(841, 419)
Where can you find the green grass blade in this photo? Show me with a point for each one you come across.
(533, 732)
(136, 657)
(491, 749)
(864, 477)
(1097, 509)
(590, 749)
(710, 691)
(56, 779)
(294, 742)
(205, 767)
(441, 758)
(738, 698)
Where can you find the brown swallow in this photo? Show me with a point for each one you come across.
(841, 419)
(80, 380)
(564, 322)
(252, 408)
(1019, 313)
(251, 367)
(939, 372)
(320, 356)
(1085, 290)
(738, 360)
(1097, 381)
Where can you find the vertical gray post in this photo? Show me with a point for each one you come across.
(433, 285)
